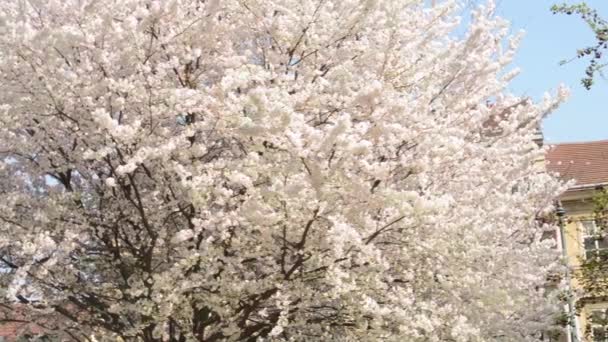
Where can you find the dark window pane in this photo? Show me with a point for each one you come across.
(602, 242)
(599, 334)
(603, 254)
(589, 244)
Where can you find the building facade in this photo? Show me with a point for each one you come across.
(582, 235)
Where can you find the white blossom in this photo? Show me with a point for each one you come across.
(283, 170)
(182, 236)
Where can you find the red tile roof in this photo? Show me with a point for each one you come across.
(584, 162)
(15, 321)
(12, 330)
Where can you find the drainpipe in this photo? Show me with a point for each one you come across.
(572, 331)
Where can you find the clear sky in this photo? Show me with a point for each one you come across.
(550, 39)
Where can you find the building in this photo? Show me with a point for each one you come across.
(585, 166)
(17, 330)
(19, 324)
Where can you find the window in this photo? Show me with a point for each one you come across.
(595, 242)
(599, 325)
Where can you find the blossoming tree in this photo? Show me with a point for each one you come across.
(286, 170)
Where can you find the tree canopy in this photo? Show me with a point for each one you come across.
(594, 53)
(273, 170)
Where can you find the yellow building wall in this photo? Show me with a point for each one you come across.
(579, 207)
(573, 241)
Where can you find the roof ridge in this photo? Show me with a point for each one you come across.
(579, 142)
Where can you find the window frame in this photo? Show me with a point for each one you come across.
(596, 236)
(604, 327)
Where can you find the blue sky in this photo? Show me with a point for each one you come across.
(550, 39)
